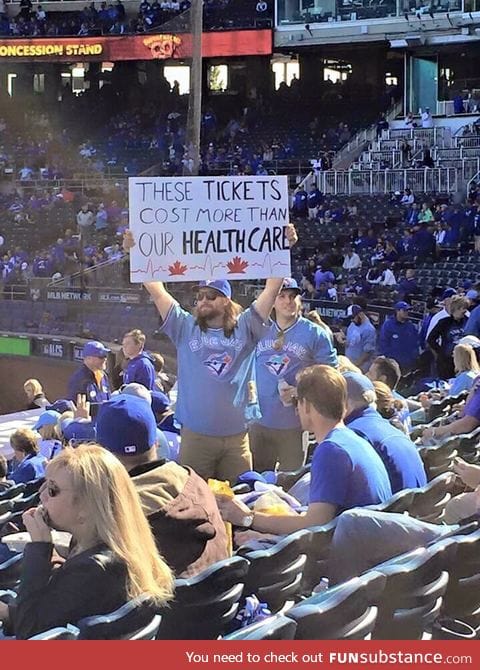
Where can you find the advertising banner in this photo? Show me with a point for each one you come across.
(161, 46)
(193, 228)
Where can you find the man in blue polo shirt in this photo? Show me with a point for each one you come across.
(346, 472)
(399, 455)
(291, 344)
(399, 337)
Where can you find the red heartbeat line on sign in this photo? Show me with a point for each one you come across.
(150, 269)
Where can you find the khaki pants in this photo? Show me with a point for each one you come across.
(221, 458)
(272, 446)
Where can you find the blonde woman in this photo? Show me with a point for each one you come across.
(35, 395)
(466, 369)
(112, 558)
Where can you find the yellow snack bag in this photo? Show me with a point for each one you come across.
(224, 489)
(271, 503)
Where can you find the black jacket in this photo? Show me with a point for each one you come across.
(93, 582)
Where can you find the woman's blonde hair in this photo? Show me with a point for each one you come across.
(103, 485)
(465, 359)
(24, 439)
(33, 386)
(49, 432)
(346, 365)
(385, 400)
(315, 317)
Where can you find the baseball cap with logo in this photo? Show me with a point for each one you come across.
(220, 285)
(126, 425)
(96, 349)
(47, 418)
(448, 293)
(353, 310)
(401, 305)
(290, 284)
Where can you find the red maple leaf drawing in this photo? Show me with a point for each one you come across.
(177, 269)
(237, 266)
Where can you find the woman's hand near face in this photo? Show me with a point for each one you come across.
(34, 522)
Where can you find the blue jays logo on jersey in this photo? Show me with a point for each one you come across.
(218, 364)
(277, 364)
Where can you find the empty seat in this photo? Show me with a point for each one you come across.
(10, 571)
(277, 627)
(429, 501)
(318, 552)
(275, 574)
(399, 503)
(205, 605)
(60, 633)
(345, 612)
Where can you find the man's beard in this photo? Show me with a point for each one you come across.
(204, 320)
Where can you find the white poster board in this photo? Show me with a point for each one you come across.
(194, 228)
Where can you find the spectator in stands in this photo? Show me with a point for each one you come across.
(27, 462)
(346, 472)
(300, 203)
(361, 338)
(447, 296)
(179, 505)
(424, 242)
(85, 221)
(214, 436)
(443, 338)
(314, 200)
(140, 367)
(399, 337)
(407, 198)
(351, 260)
(323, 277)
(4, 482)
(425, 215)
(473, 323)
(469, 420)
(390, 409)
(412, 214)
(46, 426)
(408, 288)
(35, 395)
(291, 344)
(112, 559)
(426, 118)
(391, 253)
(406, 246)
(399, 454)
(91, 378)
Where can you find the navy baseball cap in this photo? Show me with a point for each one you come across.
(401, 305)
(126, 425)
(62, 405)
(290, 284)
(220, 285)
(96, 349)
(353, 310)
(78, 429)
(448, 293)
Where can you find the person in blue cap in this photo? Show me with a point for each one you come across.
(292, 344)
(399, 338)
(91, 378)
(216, 370)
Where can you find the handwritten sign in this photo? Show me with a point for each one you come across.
(193, 228)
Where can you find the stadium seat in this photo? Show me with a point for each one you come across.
(318, 551)
(439, 458)
(411, 601)
(429, 501)
(5, 506)
(12, 491)
(277, 627)
(136, 620)
(10, 571)
(344, 612)
(287, 479)
(68, 632)
(205, 605)
(399, 503)
(33, 486)
(275, 574)
(26, 503)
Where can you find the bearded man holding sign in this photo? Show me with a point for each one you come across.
(216, 370)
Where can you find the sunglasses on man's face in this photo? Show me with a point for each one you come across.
(206, 295)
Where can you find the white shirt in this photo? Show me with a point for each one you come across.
(352, 262)
(388, 278)
(427, 120)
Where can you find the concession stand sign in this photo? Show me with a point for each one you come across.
(136, 47)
